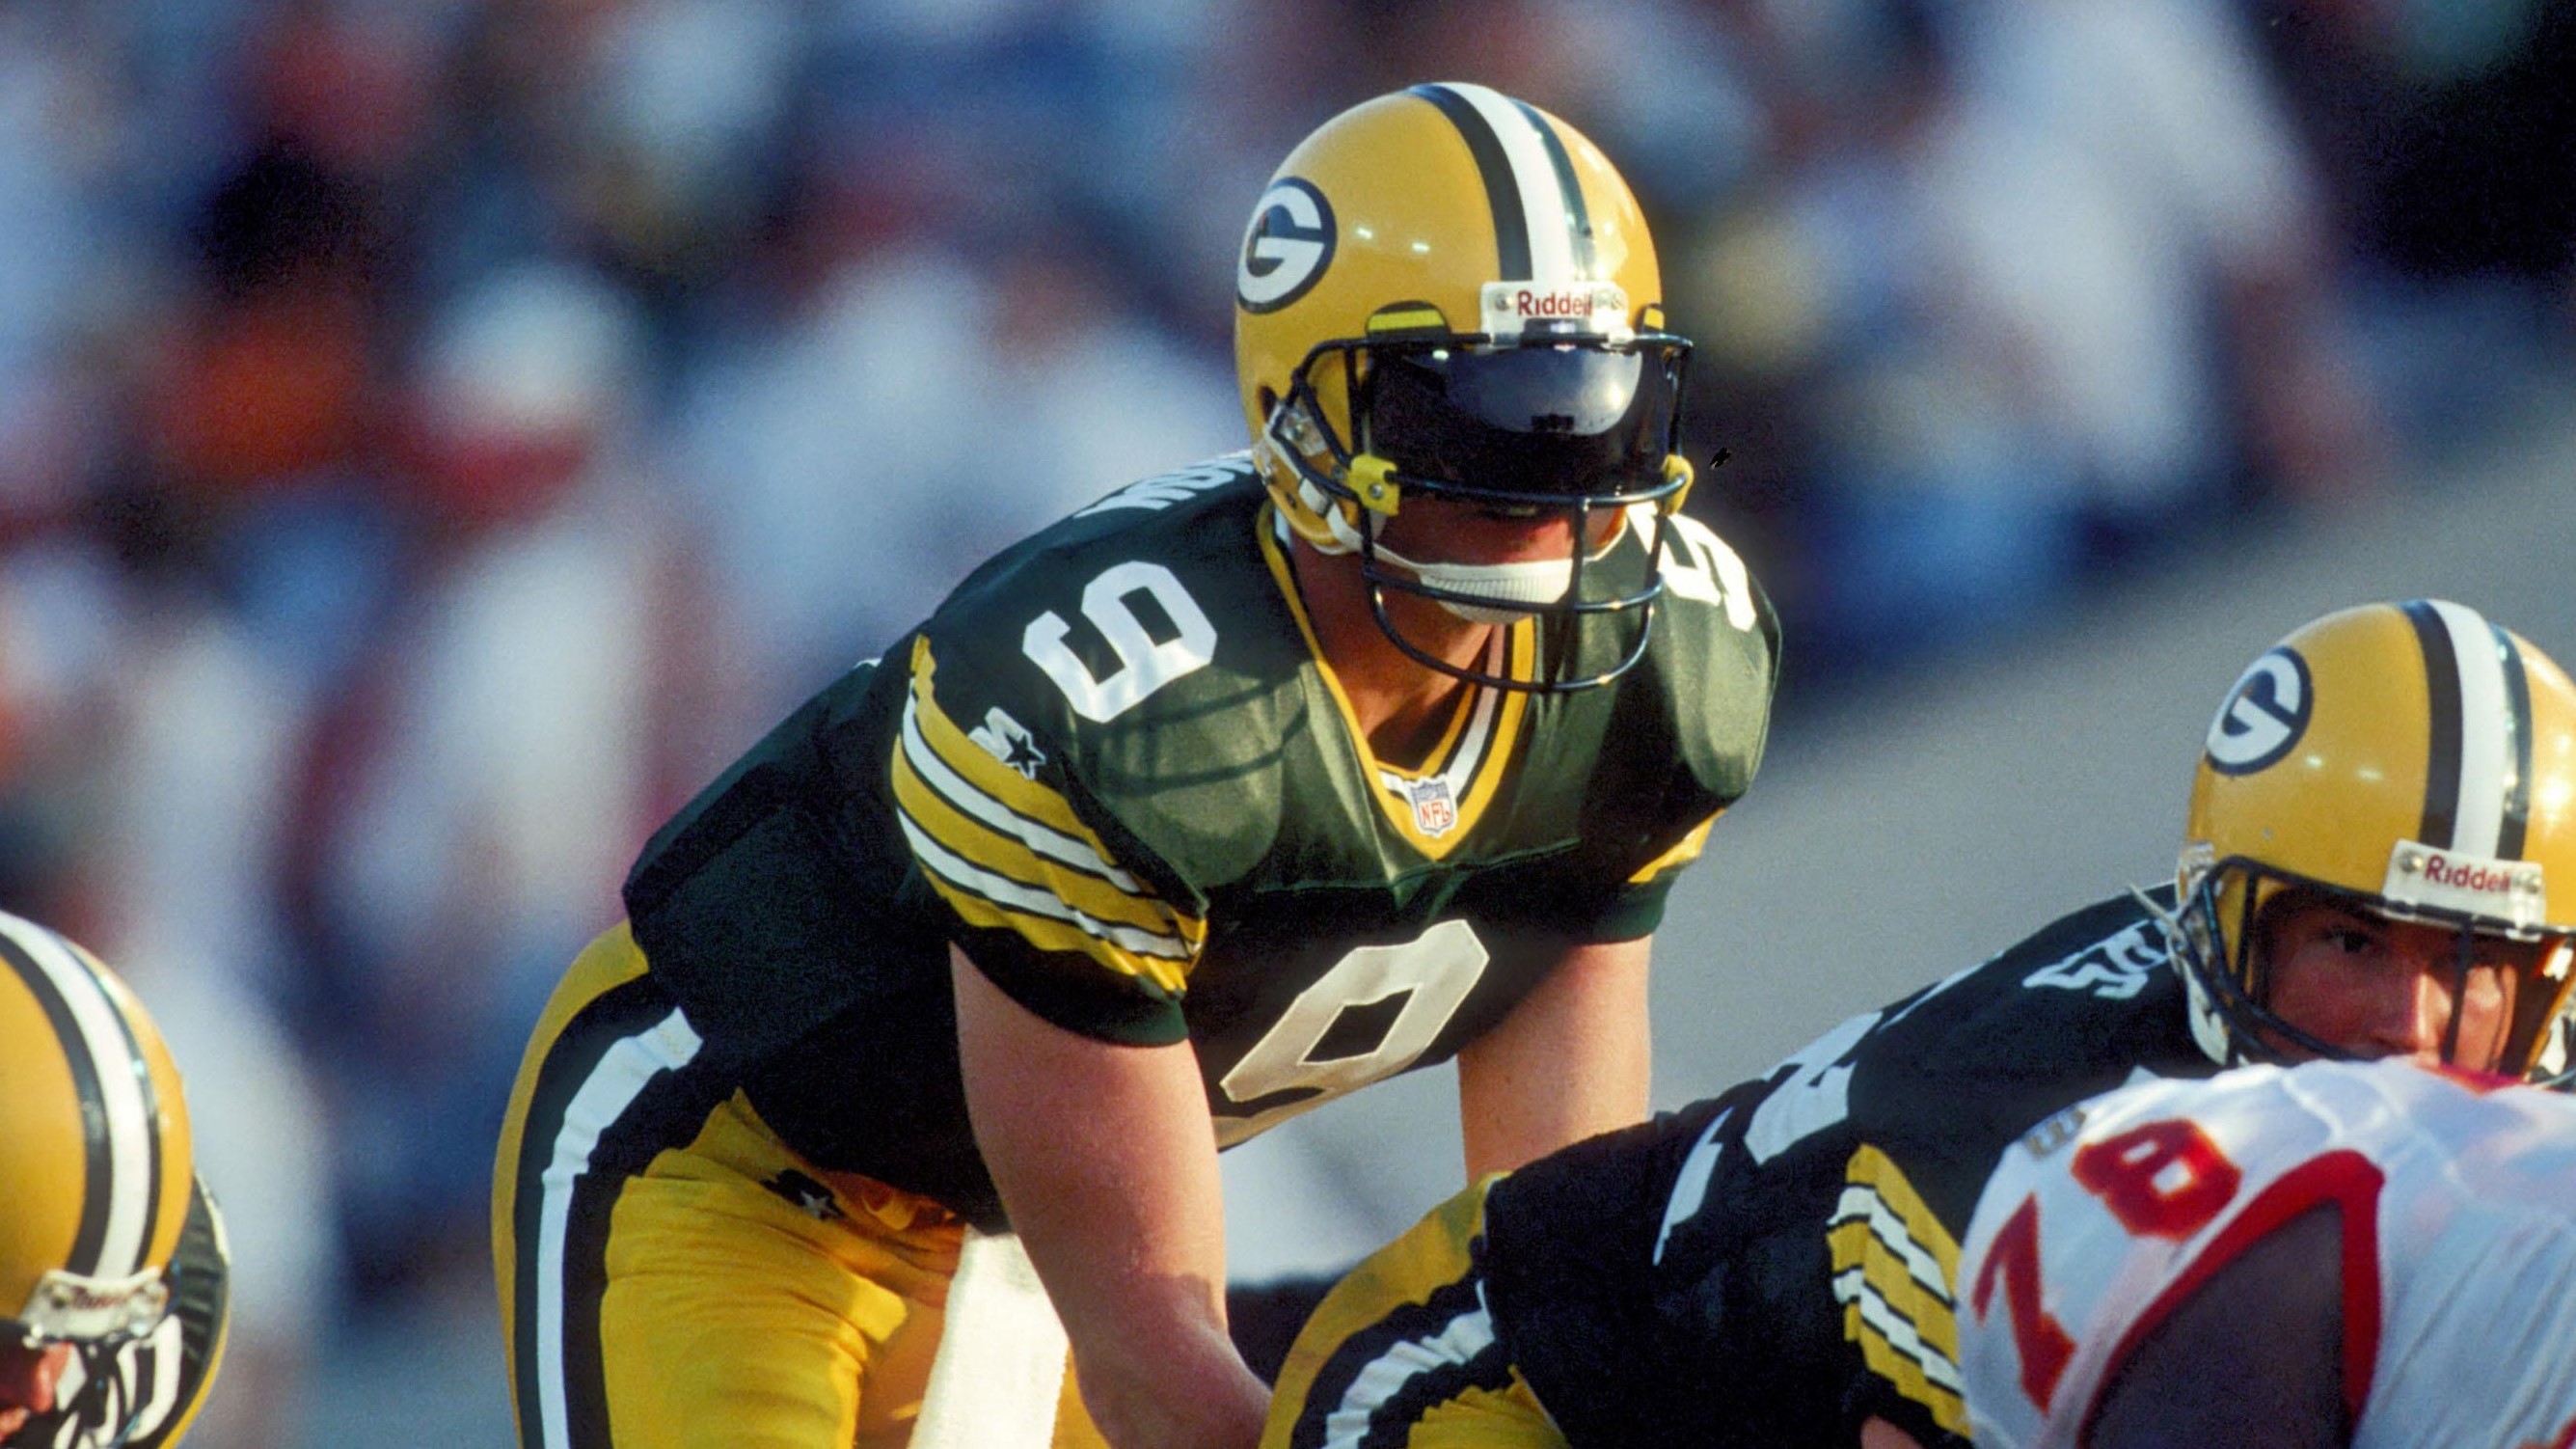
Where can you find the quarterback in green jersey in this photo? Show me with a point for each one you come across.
(2381, 841)
(1374, 747)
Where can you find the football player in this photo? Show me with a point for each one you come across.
(2380, 860)
(112, 1262)
(2281, 1259)
(1238, 790)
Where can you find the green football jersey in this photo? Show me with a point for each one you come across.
(1113, 769)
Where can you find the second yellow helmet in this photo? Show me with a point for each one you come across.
(95, 1164)
(2414, 759)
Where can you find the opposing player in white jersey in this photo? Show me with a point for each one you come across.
(2336, 1255)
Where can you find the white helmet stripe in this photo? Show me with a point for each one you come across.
(122, 1195)
(2486, 733)
(1534, 171)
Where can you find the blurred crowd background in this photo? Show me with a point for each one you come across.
(436, 434)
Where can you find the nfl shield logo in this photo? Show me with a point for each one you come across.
(1435, 812)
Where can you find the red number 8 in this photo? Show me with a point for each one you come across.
(2164, 1179)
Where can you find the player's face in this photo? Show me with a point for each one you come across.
(28, 1374)
(2381, 988)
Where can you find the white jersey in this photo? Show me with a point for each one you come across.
(2459, 1209)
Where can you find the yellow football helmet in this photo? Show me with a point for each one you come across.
(2414, 758)
(95, 1166)
(1447, 293)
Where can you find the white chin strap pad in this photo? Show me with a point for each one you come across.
(1533, 582)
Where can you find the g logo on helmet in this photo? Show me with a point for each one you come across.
(2263, 716)
(1286, 248)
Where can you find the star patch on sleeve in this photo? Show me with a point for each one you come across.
(1008, 741)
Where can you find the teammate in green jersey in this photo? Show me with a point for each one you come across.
(2381, 861)
(1376, 746)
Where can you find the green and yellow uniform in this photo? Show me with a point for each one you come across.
(1112, 769)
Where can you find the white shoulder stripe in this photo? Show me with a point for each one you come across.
(1002, 891)
(123, 1091)
(1043, 839)
(1544, 204)
(1479, 734)
(1851, 1286)
(2486, 729)
(1862, 1204)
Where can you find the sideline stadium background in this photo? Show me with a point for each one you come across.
(433, 433)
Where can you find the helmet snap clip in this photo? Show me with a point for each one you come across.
(1373, 480)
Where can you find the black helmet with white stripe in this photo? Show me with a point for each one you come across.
(2415, 760)
(95, 1169)
(1446, 293)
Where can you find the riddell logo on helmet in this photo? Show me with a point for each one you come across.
(2513, 891)
(2466, 875)
(69, 1305)
(1513, 306)
(77, 1298)
(1529, 304)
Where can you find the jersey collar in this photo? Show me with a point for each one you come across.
(1437, 804)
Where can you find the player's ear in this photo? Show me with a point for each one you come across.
(2252, 1359)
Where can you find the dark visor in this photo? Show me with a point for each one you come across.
(1548, 419)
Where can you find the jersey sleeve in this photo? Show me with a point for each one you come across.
(1717, 665)
(1634, 907)
(1067, 913)
(2273, 1317)
(1893, 1262)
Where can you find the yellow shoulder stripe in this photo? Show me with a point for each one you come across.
(1894, 1269)
(987, 775)
(1092, 886)
(1048, 933)
(1009, 853)
(1684, 851)
(1502, 740)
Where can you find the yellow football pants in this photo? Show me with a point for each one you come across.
(1402, 1355)
(671, 1274)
